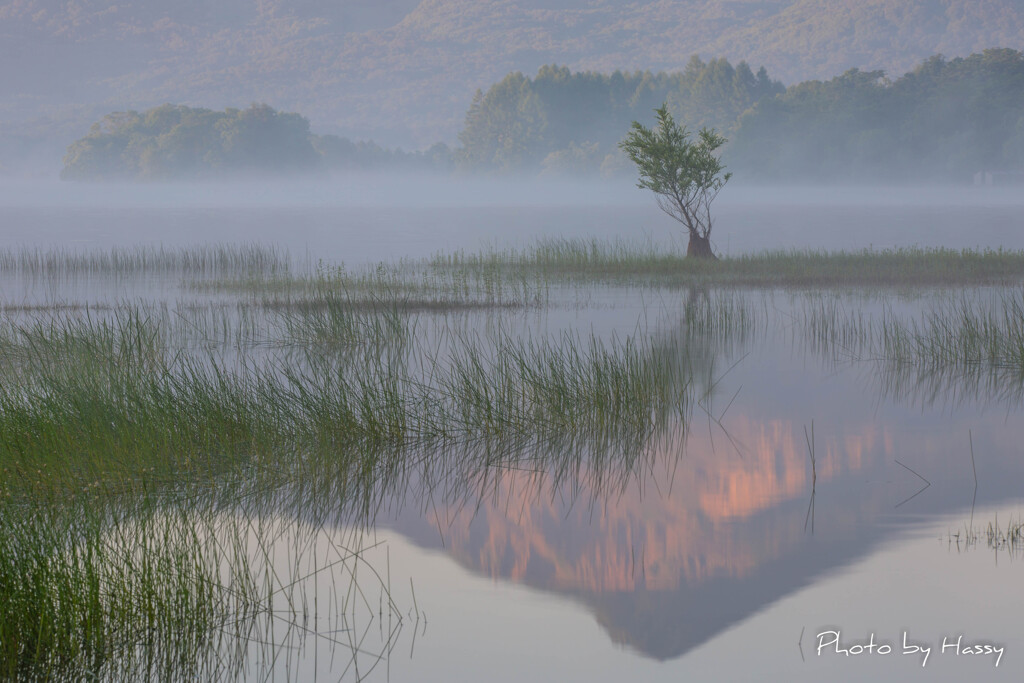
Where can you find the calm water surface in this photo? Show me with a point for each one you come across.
(358, 221)
(725, 553)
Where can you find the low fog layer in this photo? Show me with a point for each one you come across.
(369, 190)
(369, 218)
(408, 190)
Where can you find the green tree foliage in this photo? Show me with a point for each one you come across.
(176, 141)
(944, 120)
(561, 120)
(342, 154)
(261, 138)
(505, 128)
(171, 142)
(715, 94)
(685, 175)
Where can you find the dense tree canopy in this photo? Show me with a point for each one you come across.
(565, 121)
(171, 142)
(175, 141)
(945, 120)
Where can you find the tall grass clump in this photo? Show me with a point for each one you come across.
(129, 338)
(965, 347)
(496, 387)
(573, 386)
(617, 262)
(331, 321)
(90, 597)
(417, 286)
(105, 400)
(188, 588)
(208, 261)
(901, 267)
(829, 326)
(981, 330)
(722, 320)
(404, 286)
(564, 255)
(963, 332)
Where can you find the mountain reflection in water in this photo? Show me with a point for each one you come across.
(717, 520)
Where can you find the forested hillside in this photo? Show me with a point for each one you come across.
(560, 121)
(943, 121)
(402, 72)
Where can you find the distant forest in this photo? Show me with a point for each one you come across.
(402, 72)
(174, 142)
(943, 121)
(573, 122)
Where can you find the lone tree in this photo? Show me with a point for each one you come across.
(685, 174)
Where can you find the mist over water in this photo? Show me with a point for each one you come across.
(644, 581)
(374, 217)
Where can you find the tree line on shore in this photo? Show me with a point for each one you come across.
(943, 121)
(176, 142)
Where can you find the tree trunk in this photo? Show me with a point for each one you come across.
(700, 247)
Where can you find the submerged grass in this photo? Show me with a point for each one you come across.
(89, 597)
(564, 386)
(980, 329)
(630, 262)
(154, 589)
(1008, 538)
(962, 332)
(104, 400)
(135, 410)
(99, 412)
(406, 287)
(1011, 536)
(220, 260)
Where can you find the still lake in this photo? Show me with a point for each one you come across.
(741, 541)
(367, 220)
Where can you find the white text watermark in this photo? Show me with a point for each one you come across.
(831, 643)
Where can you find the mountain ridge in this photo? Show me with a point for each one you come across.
(404, 72)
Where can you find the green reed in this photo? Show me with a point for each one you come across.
(623, 261)
(345, 387)
(89, 596)
(965, 330)
(407, 287)
(217, 260)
